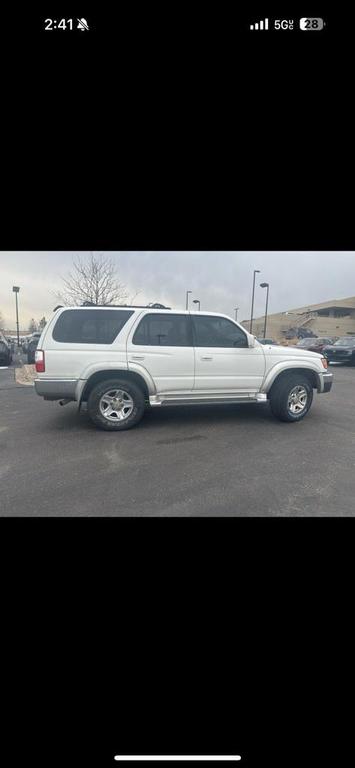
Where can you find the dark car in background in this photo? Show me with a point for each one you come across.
(342, 351)
(11, 343)
(301, 333)
(24, 344)
(32, 346)
(266, 341)
(317, 344)
(5, 351)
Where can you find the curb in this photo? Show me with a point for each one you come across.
(25, 375)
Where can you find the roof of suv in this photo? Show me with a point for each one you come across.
(150, 309)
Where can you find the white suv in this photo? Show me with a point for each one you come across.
(121, 359)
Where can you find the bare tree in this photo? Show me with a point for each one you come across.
(32, 327)
(92, 279)
(42, 323)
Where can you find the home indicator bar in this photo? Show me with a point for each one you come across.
(177, 758)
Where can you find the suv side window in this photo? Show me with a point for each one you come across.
(163, 330)
(212, 331)
(90, 326)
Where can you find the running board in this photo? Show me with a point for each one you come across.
(155, 400)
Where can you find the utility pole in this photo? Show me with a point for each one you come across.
(256, 271)
(16, 290)
(187, 299)
(265, 285)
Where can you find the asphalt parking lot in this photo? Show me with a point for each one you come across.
(230, 460)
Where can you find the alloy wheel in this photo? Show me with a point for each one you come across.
(116, 405)
(297, 399)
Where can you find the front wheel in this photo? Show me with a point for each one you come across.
(116, 405)
(291, 397)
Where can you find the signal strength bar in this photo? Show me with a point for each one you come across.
(262, 24)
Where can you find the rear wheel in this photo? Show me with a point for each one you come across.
(291, 397)
(116, 405)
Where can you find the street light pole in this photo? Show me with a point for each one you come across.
(236, 313)
(187, 299)
(265, 285)
(256, 271)
(15, 289)
(197, 301)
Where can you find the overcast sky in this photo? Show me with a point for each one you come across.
(221, 280)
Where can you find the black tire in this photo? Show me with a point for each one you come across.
(280, 393)
(133, 392)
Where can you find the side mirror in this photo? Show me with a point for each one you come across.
(251, 340)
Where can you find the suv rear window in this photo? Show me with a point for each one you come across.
(90, 326)
(164, 331)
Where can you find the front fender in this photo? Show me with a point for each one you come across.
(278, 368)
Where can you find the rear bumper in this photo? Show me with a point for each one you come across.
(56, 389)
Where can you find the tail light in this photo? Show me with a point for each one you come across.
(39, 361)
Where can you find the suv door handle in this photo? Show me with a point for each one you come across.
(137, 357)
(206, 358)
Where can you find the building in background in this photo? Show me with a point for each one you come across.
(330, 318)
(11, 332)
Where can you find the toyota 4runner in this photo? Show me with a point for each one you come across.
(119, 360)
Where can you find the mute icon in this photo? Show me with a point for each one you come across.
(82, 24)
